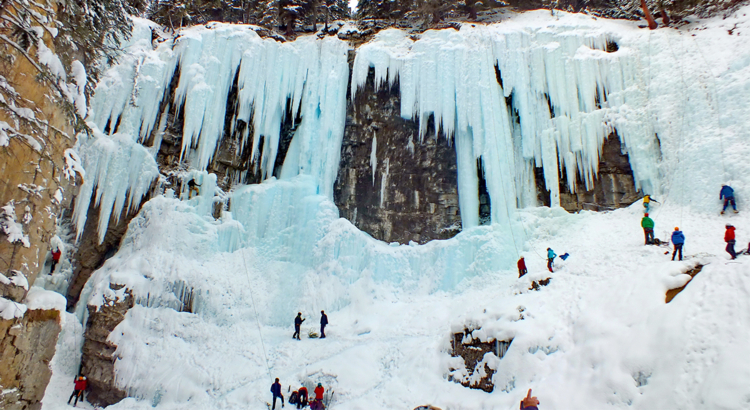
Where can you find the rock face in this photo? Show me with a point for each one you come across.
(33, 187)
(26, 348)
(473, 354)
(98, 358)
(614, 187)
(390, 184)
(91, 254)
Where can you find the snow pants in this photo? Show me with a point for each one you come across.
(78, 394)
(730, 249)
(274, 401)
(522, 272)
(322, 331)
(550, 263)
(296, 333)
(649, 233)
(727, 200)
(677, 248)
(52, 269)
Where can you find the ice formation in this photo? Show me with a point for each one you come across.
(128, 103)
(513, 97)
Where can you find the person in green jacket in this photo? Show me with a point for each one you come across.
(648, 229)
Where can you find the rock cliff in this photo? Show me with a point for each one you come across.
(390, 184)
(98, 358)
(26, 348)
(36, 184)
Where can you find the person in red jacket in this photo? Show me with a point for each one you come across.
(522, 267)
(303, 397)
(55, 259)
(318, 402)
(78, 388)
(729, 239)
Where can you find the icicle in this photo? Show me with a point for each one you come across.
(374, 157)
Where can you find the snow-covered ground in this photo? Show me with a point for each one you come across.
(602, 320)
(599, 336)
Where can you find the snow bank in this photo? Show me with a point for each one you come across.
(39, 298)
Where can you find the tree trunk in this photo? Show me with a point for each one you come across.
(651, 23)
(290, 26)
(664, 16)
(471, 8)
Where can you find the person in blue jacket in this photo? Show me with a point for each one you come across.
(276, 391)
(727, 194)
(678, 239)
(550, 258)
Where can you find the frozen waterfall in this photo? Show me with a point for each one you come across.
(514, 98)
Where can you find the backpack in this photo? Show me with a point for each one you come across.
(294, 398)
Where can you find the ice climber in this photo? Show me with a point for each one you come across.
(727, 194)
(678, 239)
(297, 323)
(729, 239)
(192, 186)
(323, 323)
(55, 259)
(648, 229)
(276, 391)
(318, 397)
(522, 267)
(302, 397)
(647, 202)
(79, 386)
(550, 258)
(529, 402)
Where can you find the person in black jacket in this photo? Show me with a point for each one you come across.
(297, 323)
(276, 391)
(323, 323)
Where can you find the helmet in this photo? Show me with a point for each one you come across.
(729, 226)
(320, 385)
(676, 228)
(646, 214)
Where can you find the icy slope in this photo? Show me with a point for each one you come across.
(602, 321)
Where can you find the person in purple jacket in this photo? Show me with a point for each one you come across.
(529, 402)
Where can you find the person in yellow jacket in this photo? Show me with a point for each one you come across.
(647, 203)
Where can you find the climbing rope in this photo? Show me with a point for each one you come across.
(523, 226)
(255, 310)
(507, 213)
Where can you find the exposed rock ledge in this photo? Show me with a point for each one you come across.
(27, 345)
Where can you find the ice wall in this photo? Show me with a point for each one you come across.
(566, 92)
(130, 104)
(528, 92)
